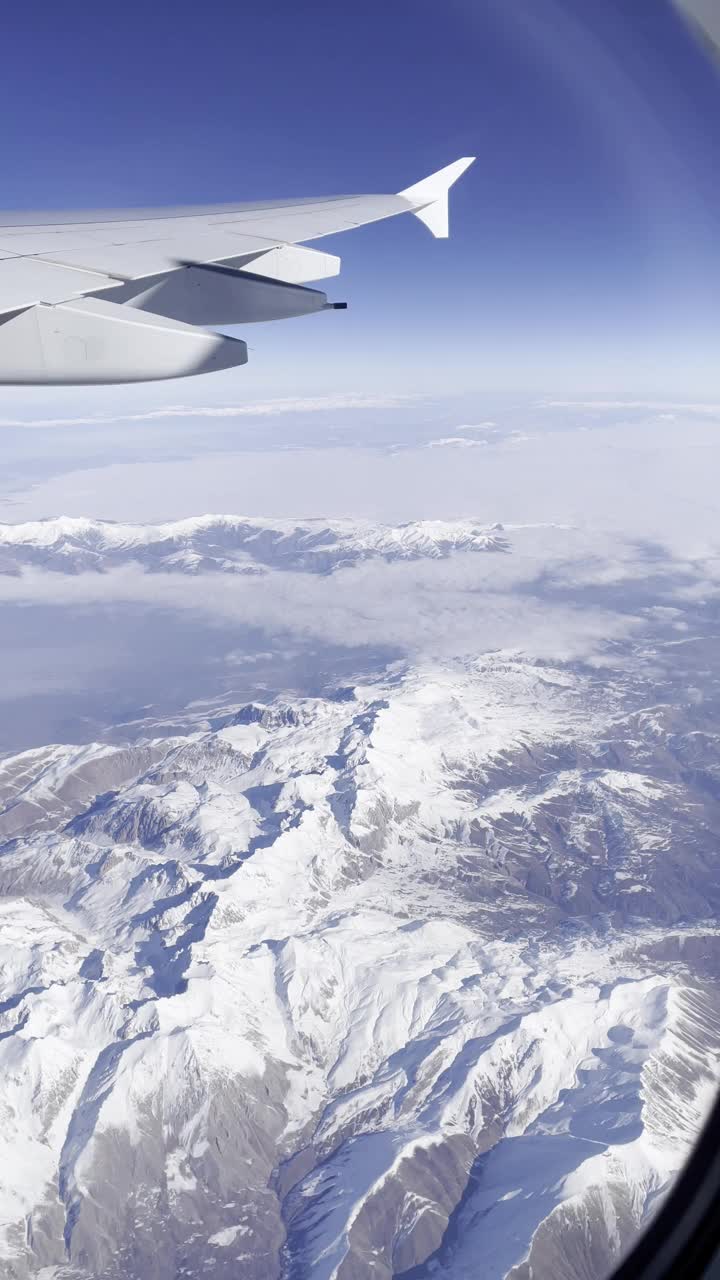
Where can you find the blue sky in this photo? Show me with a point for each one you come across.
(585, 241)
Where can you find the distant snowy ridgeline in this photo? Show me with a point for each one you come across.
(232, 544)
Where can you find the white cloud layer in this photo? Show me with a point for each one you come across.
(423, 609)
(256, 409)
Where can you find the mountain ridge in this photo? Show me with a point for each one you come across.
(234, 544)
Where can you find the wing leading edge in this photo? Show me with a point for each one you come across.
(114, 297)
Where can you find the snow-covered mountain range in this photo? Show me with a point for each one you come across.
(356, 987)
(233, 544)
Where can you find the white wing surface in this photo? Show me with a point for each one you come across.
(73, 287)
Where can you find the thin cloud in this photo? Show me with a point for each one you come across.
(665, 408)
(457, 442)
(257, 409)
(477, 426)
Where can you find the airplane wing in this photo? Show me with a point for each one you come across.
(122, 296)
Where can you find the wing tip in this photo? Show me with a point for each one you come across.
(429, 197)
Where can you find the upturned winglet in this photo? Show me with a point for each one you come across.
(429, 198)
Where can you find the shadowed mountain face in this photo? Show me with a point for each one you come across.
(362, 985)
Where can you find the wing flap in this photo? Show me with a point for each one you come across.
(292, 263)
(24, 281)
